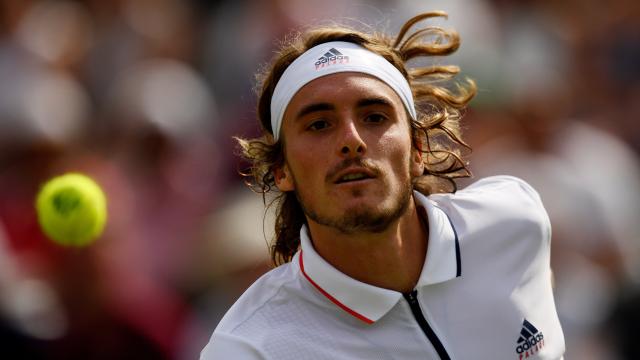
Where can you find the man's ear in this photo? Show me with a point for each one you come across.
(417, 165)
(284, 180)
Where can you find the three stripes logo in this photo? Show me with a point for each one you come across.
(331, 57)
(530, 342)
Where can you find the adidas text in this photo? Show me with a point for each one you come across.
(331, 57)
(530, 343)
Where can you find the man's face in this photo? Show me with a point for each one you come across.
(348, 153)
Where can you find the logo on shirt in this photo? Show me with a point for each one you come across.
(530, 342)
(331, 57)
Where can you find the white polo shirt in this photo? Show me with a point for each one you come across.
(484, 292)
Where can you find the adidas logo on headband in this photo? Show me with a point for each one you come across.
(331, 57)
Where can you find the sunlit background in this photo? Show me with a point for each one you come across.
(145, 95)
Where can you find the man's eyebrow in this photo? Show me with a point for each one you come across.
(374, 101)
(328, 107)
(313, 108)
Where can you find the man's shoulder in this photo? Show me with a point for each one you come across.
(499, 185)
(495, 197)
(277, 309)
(500, 207)
(257, 297)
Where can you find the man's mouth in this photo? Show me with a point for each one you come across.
(352, 177)
(353, 170)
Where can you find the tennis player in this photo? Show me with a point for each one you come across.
(379, 256)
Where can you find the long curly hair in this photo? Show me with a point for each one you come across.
(436, 132)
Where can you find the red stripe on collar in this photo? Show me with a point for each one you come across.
(333, 300)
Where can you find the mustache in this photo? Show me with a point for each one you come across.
(347, 163)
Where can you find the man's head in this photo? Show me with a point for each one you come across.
(348, 153)
(347, 148)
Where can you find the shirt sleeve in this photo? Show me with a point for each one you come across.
(226, 346)
(535, 197)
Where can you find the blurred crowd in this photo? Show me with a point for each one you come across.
(145, 96)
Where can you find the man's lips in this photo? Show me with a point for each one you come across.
(353, 174)
(352, 170)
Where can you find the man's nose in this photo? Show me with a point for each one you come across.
(351, 142)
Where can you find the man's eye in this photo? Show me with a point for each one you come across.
(318, 125)
(375, 118)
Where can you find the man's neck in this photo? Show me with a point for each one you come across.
(391, 259)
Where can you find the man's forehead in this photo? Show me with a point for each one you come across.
(346, 86)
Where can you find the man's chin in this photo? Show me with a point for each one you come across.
(364, 219)
(360, 214)
(368, 224)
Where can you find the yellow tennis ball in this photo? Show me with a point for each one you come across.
(72, 209)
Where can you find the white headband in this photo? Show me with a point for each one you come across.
(330, 58)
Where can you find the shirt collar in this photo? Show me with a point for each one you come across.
(442, 262)
(367, 302)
